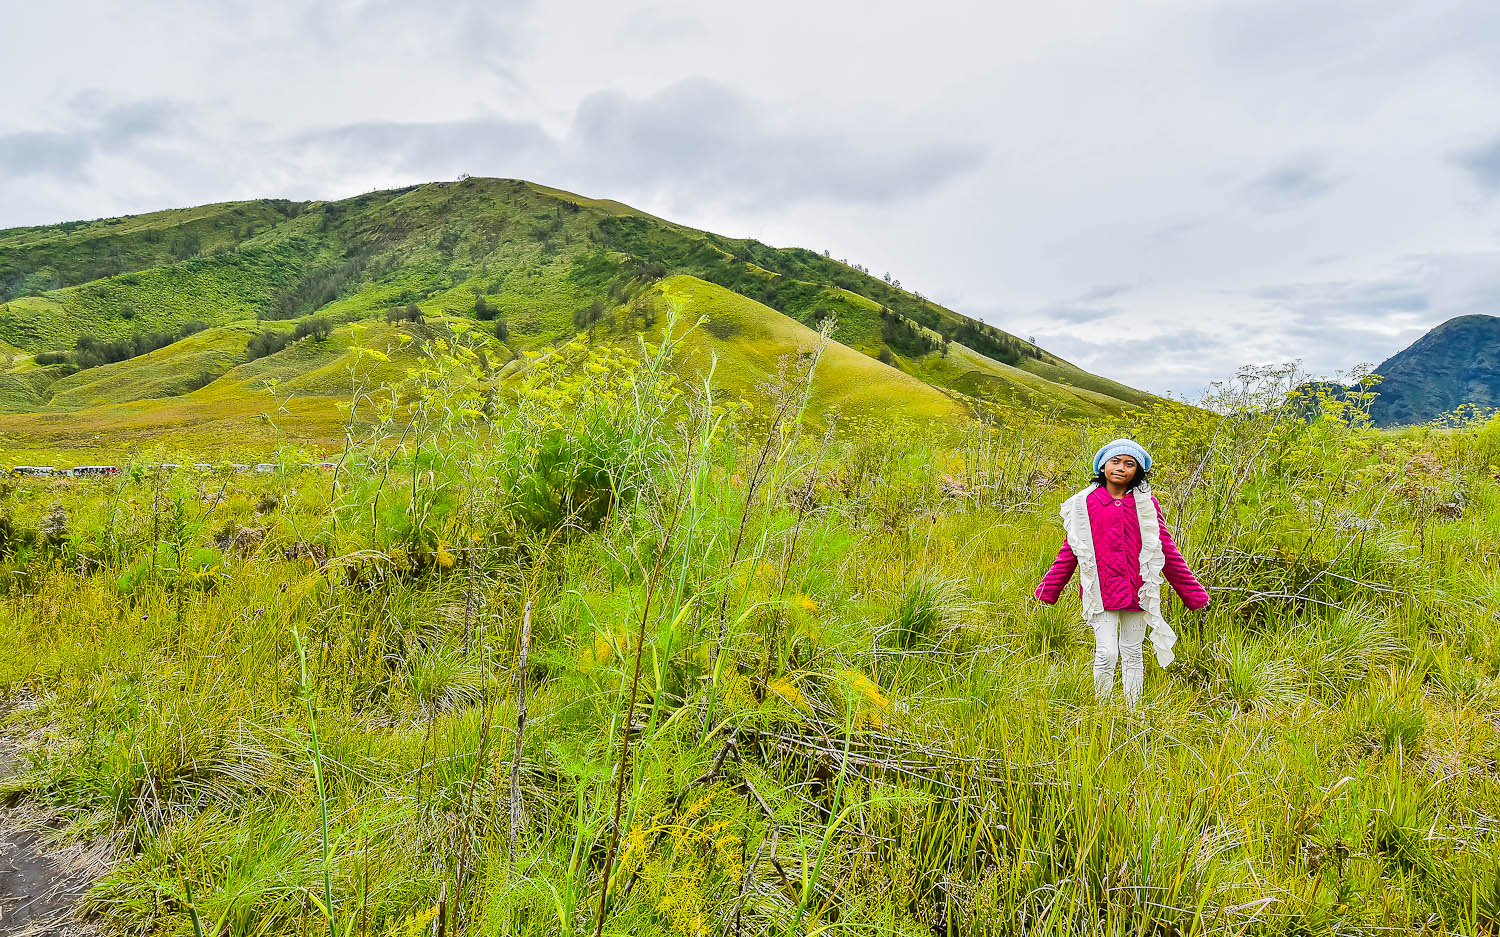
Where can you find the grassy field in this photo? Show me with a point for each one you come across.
(578, 645)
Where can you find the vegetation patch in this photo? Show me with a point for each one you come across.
(588, 644)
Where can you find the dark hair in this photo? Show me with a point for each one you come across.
(1142, 476)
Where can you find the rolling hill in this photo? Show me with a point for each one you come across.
(122, 332)
(1454, 364)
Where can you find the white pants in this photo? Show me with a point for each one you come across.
(1119, 636)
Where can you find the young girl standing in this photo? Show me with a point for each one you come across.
(1117, 539)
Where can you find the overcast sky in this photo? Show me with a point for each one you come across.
(1159, 190)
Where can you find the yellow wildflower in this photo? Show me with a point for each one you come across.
(787, 690)
(871, 701)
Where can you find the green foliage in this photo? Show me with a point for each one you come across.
(317, 328)
(193, 568)
(267, 342)
(926, 607)
(90, 352)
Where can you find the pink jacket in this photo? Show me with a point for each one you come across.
(1117, 550)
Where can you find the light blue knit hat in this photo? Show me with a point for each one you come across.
(1123, 447)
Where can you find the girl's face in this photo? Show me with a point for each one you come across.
(1120, 469)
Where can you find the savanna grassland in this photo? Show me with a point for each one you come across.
(585, 645)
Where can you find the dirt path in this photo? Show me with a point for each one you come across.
(40, 882)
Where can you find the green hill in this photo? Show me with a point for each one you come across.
(1454, 364)
(157, 310)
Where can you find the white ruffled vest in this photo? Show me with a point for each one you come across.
(1075, 518)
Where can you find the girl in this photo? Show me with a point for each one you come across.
(1117, 538)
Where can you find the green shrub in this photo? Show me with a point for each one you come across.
(266, 343)
(317, 328)
(927, 606)
(571, 480)
(1392, 724)
(1251, 676)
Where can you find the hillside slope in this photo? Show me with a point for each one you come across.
(158, 306)
(1456, 363)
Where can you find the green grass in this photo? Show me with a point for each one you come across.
(248, 411)
(17, 395)
(749, 341)
(172, 371)
(79, 251)
(295, 694)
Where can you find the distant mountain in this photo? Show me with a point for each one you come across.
(174, 322)
(1456, 363)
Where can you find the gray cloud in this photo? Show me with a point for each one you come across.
(1289, 185)
(440, 149)
(1078, 315)
(1105, 291)
(102, 126)
(1483, 164)
(489, 34)
(1169, 234)
(1312, 302)
(1331, 325)
(1181, 361)
(1089, 306)
(656, 24)
(694, 141)
(32, 153)
(1367, 321)
(700, 138)
(109, 122)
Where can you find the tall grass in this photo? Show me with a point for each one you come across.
(771, 680)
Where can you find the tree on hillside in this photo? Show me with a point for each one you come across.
(266, 343)
(318, 328)
(589, 316)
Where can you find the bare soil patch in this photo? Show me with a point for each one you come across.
(41, 879)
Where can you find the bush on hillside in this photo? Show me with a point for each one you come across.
(266, 343)
(90, 351)
(586, 317)
(322, 286)
(318, 328)
(408, 313)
